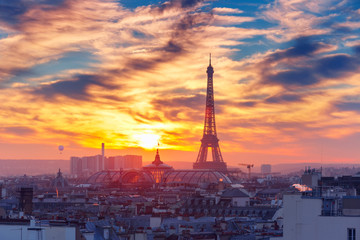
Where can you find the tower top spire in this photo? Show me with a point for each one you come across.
(157, 160)
(210, 69)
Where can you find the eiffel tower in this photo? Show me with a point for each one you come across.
(209, 139)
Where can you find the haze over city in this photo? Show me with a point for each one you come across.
(131, 74)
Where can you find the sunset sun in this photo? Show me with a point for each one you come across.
(148, 140)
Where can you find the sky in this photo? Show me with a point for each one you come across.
(133, 73)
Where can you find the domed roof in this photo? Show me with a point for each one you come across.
(105, 177)
(195, 177)
(127, 176)
(157, 163)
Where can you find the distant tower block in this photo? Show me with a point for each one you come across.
(209, 139)
(26, 200)
(265, 169)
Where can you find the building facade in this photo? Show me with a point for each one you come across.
(321, 218)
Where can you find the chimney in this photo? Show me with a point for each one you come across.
(102, 156)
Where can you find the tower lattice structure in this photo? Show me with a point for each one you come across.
(209, 139)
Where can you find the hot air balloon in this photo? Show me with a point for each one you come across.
(61, 148)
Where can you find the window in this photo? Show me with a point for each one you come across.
(351, 234)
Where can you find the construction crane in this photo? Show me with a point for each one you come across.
(249, 166)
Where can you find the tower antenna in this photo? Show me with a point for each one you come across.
(210, 60)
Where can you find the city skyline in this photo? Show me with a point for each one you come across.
(133, 73)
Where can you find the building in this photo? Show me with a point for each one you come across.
(238, 197)
(321, 218)
(311, 177)
(28, 229)
(123, 162)
(351, 183)
(132, 162)
(85, 166)
(122, 179)
(75, 165)
(114, 163)
(26, 200)
(265, 169)
(195, 178)
(157, 168)
(59, 181)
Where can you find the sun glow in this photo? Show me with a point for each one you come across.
(147, 140)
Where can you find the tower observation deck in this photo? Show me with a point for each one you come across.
(209, 139)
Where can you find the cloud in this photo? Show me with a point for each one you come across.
(348, 106)
(305, 64)
(20, 131)
(147, 72)
(298, 18)
(179, 4)
(303, 46)
(193, 102)
(284, 98)
(76, 88)
(225, 10)
(300, 77)
(131, 49)
(63, 132)
(43, 35)
(247, 104)
(11, 12)
(172, 47)
(336, 65)
(188, 3)
(328, 67)
(184, 108)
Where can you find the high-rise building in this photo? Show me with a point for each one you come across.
(132, 162)
(209, 139)
(26, 200)
(93, 163)
(85, 166)
(265, 169)
(75, 165)
(109, 163)
(118, 162)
